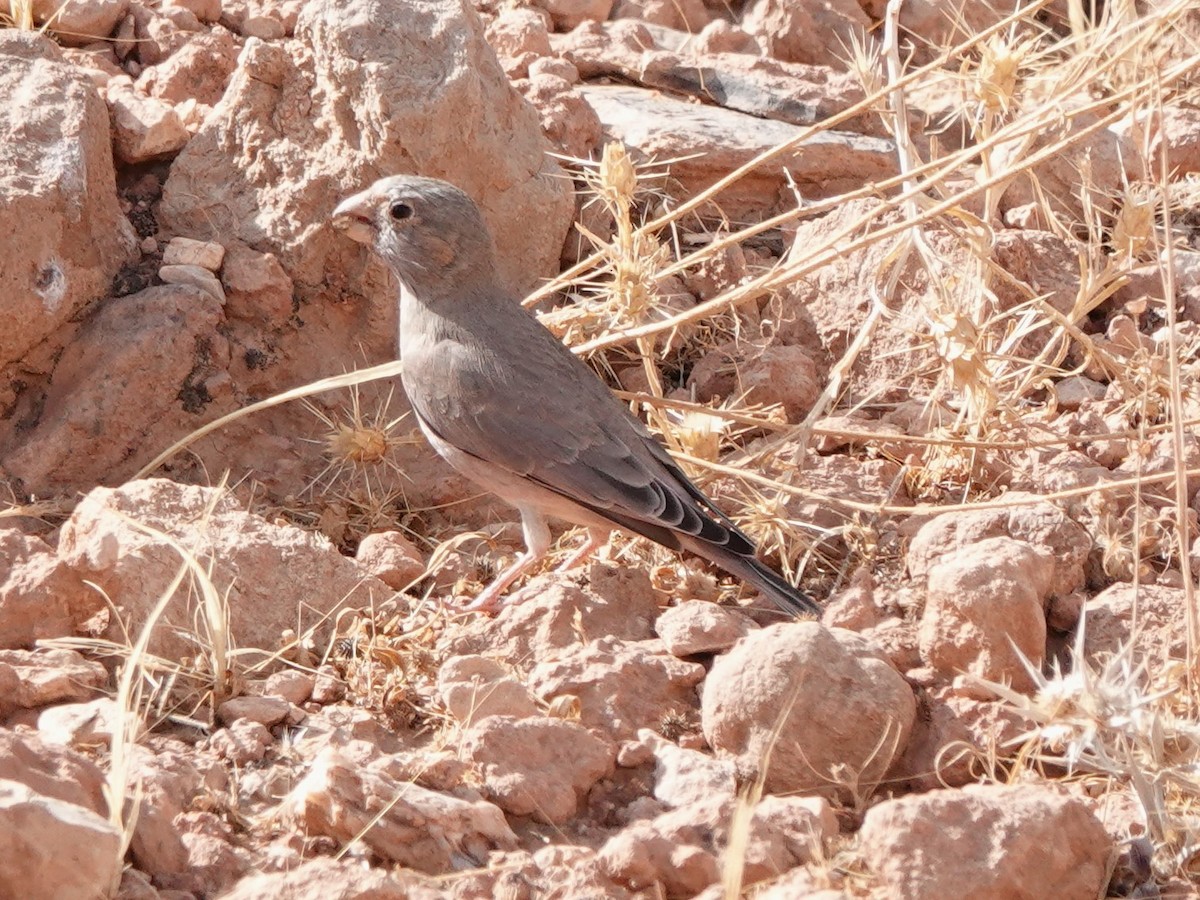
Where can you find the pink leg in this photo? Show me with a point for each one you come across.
(596, 538)
(537, 542)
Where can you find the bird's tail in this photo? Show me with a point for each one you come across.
(758, 574)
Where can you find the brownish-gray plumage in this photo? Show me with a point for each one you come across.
(512, 408)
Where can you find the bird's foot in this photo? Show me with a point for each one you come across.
(596, 538)
(491, 599)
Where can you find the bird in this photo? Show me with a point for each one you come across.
(509, 406)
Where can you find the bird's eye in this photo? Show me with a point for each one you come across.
(400, 210)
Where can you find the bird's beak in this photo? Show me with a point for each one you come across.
(353, 217)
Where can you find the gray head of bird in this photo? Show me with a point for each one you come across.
(429, 232)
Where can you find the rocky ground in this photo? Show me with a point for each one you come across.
(891, 279)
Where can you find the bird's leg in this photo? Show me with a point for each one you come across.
(596, 538)
(537, 542)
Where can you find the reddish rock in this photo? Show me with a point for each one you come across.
(60, 197)
(815, 33)
(696, 626)
(269, 574)
(474, 687)
(139, 373)
(1041, 525)
(552, 613)
(392, 558)
(51, 849)
(985, 612)
(990, 842)
(40, 597)
(339, 800)
(52, 770)
(537, 766)
(622, 686)
(765, 696)
(350, 116)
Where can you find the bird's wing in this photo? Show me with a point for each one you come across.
(517, 398)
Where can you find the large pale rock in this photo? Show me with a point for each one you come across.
(51, 849)
(404, 823)
(67, 237)
(39, 596)
(142, 371)
(343, 878)
(275, 578)
(79, 22)
(989, 842)
(1041, 525)
(538, 766)
(622, 686)
(815, 33)
(824, 703)
(302, 125)
(52, 770)
(985, 612)
(708, 142)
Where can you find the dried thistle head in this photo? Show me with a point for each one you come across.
(998, 73)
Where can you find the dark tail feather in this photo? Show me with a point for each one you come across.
(770, 583)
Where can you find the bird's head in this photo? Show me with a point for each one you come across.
(429, 232)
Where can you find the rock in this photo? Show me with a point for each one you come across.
(200, 70)
(159, 33)
(519, 36)
(757, 85)
(52, 770)
(685, 15)
(474, 687)
(292, 686)
(676, 854)
(182, 251)
(344, 115)
(39, 596)
(80, 23)
(551, 613)
(568, 121)
(683, 777)
(622, 686)
(267, 711)
(708, 143)
(339, 800)
(566, 14)
(696, 626)
(80, 724)
(56, 175)
(537, 766)
(42, 677)
(134, 379)
(1041, 525)
(1158, 631)
(720, 36)
(345, 879)
(144, 128)
(208, 11)
(392, 558)
(777, 374)
(814, 33)
(196, 277)
(51, 849)
(932, 844)
(985, 612)
(826, 705)
(257, 288)
(265, 28)
(243, 742)
(952, 733)
(298, 577)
